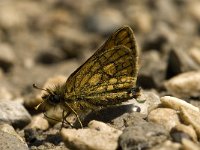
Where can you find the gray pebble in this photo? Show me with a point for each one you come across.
(142, 136)
(149, 75)
(7, 57)
(99, 136)
(179, 61)
(184, 85)
(14, 113)
(11, 142)
(164, 116)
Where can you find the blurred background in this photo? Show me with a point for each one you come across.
(40, 39)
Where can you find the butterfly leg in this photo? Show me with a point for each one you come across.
(64, 120)
(75, 114)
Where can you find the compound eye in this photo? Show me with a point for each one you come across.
(56, 99)
(51, 99)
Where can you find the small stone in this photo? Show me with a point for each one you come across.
(181, 129)
(149, 75)
(14, 113)
(167, 145)
(32, 135)
(100, 126)
(179, 61)
(28, 63)
(8, 132)
(10, 142)
(184, 85)
(49, 138)
(128, 119)
(50, 56)
(96, 22)
(179, 136)
(11, 18)
(176, 103)
(190, 145)
(142, 136)
(38, 122)
(191, 117)
(195, 54)
(9, 129)
(194, 10)
(5, 94)
(98, 136)
(142, 22)
(158, 39)
(71, 41)
(7, 57)
(152, 100)
(195, 103)
(166, 9)
(164, 116)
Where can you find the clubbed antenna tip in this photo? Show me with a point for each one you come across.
(36, 87)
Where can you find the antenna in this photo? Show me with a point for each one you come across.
(37, 107)
(36, 87)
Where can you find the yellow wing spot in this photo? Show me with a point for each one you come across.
(85, 79)
(120, 85)
(113, 81)
(110, 87)
(124, 79)
(110, 69)
(95, 79)
(126, 85)
(101, 89)
(127, 79)
(95, 67)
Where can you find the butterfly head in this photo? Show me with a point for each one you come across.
(51, 97)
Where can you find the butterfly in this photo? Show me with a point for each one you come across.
(107, 78)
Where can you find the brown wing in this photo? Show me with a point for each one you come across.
(112, 69)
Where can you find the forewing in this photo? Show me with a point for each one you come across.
(110, 71)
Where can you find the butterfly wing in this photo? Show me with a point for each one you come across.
(106, 77)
